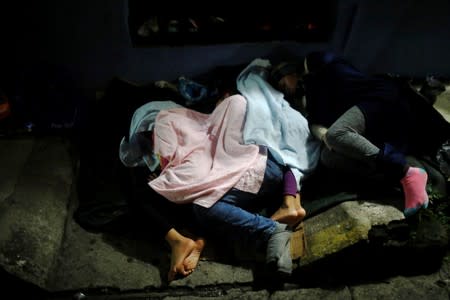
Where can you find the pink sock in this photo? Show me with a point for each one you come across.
(414, 187)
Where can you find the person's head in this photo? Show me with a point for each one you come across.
(286, 78)
(138, 151)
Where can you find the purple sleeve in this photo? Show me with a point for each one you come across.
(290, 185)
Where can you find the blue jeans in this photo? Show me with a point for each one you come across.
(235, 215)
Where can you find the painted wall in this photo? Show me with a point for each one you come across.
(408, 37)
(91, 39)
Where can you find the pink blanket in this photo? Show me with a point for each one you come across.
(205, 153)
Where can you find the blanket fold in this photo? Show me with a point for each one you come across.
(272, 122)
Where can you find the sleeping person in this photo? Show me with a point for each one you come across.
(163, 219)
(205, 162)
(369, 124)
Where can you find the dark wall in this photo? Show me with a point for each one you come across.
(410, 37)
(91, 39)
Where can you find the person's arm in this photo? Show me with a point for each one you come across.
(290, 184)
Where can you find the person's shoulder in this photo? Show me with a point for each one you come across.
(237, 99)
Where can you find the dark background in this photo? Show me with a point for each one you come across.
(92, 40)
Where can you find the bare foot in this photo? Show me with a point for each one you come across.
(191, 261)
(185, 254)
(290, 212)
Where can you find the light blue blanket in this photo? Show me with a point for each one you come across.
(272, 122)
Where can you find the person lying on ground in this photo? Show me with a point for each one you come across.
(368, 124)
(183, 180)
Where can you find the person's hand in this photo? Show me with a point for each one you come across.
(324, 140)
(320, 132)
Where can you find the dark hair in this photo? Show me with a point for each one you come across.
(283, 69)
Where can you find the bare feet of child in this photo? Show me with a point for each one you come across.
(185, 254)
(290, 212)
(191, 261)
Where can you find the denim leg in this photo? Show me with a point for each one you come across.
(224, 217)
(273, 178)
(234, 215)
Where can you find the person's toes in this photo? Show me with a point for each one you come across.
(171, 275)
